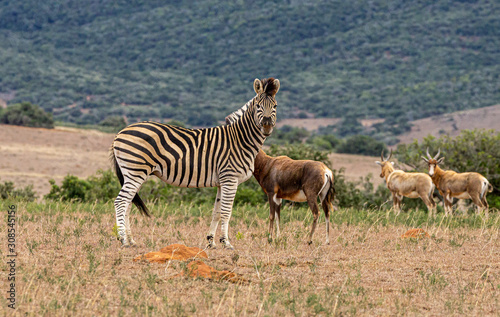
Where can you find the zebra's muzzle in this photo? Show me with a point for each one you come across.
(267, 130)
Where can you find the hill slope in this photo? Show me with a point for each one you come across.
(196, 62)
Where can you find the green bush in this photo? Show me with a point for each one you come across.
(299, 152)
(362, 145)
(7, 191)
(27, 114)
(72, 188)
(116, 123)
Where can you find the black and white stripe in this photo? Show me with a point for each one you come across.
(220, 157)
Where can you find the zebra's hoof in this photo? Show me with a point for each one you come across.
(126, 245)
(133, 243)
(228, 246)
(211, 246)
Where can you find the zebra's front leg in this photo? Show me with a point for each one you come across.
(215, 220)
(228, 191)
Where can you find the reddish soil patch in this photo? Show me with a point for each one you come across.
(415, 233)
(195, 268)
(173, 252)
(201, 269)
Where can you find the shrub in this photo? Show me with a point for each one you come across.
(300, 152)
(72, 188)
(7, 191)
(27, 114)
(362, 145)
(116, 123)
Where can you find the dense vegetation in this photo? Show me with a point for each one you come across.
(26, 114)
(399, 60)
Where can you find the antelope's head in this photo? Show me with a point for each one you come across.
(432, 162)
(265, 104)
(387, 167)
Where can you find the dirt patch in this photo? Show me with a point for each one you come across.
(173, 252)
(36, 155)
(454, 123)
(357, 167)
(417, 233)
(194, 269)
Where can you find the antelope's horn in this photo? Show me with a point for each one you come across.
(382, 156)
(390, 155)
(437, 155)
(428, 155)
(425, 159)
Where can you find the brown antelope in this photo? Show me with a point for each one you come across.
(458, 185)
(411, 185)
(296, 180)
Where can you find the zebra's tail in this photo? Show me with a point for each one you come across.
(137, 200)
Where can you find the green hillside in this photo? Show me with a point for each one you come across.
(195, 61)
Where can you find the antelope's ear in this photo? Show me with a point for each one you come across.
(257, 86)
(440, 160)
(425, 159)
(378, 163)
(392, 163)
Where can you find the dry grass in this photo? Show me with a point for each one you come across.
(71, 264)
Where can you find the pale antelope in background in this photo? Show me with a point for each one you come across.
(458, 185)
(411, 185)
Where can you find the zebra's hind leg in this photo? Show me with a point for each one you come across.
(228, 191)
(127, 227)
(122, 207)
(215, 220)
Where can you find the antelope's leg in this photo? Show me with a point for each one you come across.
(313, 205)
(271, 215)
(228, 191)
(396, 203)
(277, 212)
(215, 220)
(326, 209)
(476, 199)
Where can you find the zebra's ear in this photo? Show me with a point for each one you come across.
(257, 86)
(276, 87)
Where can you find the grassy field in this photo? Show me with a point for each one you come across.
(69, 263)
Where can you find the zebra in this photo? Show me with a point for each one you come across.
(221, 157)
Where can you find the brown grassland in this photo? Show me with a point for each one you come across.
(69, 263)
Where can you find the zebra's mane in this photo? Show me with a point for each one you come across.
(233, 117)
(270, 88)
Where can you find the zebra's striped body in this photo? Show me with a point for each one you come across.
(220, 157)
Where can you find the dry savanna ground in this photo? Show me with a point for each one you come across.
(69, 263)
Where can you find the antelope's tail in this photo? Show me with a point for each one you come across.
(330, 193)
